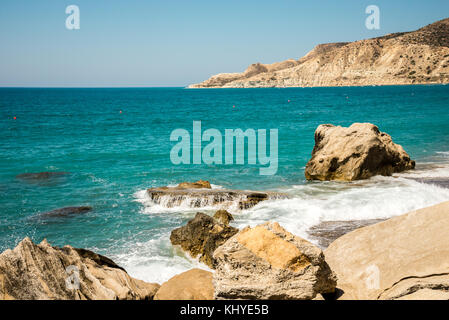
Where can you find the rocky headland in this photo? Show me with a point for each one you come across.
(417, 57)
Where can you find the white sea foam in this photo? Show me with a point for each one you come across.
(429, 170)
(155, 260)
(184, 205)
(380, 197)
(308, 205)
(443, 153)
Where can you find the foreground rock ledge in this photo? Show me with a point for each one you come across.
(405, 257)
(268, 262)
(358, 152)
(43, 272)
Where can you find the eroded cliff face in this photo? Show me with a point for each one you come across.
(418, 57)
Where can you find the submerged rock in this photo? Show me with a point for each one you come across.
(201, 236)
(43, 178)
(223, 217)
(268, 262)
(43, 272)
(358, 152)
(170, 197)
(195, 284)
(405, 257)
(40, 175)
(328, 231)
(67, 211)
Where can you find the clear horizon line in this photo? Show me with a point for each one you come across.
(86, 87)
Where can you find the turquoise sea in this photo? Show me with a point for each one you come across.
(115, 143)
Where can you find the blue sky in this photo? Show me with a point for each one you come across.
(175, 43)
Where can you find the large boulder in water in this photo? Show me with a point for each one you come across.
(268, 262)
(201, 236)
(358, 152)
(405, 257)
(195, 284)
(43, 272)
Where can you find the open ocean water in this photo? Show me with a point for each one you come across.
(111, 157)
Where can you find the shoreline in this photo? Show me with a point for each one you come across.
(341, 86)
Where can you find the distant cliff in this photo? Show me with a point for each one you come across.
(417, 57)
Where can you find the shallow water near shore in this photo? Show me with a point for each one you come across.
(111, 158)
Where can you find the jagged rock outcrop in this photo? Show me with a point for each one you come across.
(268, 262)
(198, 197)
(43, 272)
(223, 217)
(405, 257)
(195, 284)
(201, 236)
(416, 57)
(357, 152)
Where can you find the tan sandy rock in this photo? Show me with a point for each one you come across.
(357, 152)
(195, 284)
(43, 272)
(405, 257)
(268, 262)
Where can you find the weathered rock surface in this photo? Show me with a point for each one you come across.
(328, 231)
(67, 211)
(204, 197)
(421, 56)
(43, 272)
(405, 257)
(268, 262)
(201, 236)
(223, 217)
(195, 284)
(194, 185)
(357, 152)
